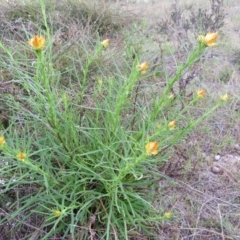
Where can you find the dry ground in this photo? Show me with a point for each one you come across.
(204, 190)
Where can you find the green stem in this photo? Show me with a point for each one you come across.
(86, 70)
(190, 61)
(195, 123)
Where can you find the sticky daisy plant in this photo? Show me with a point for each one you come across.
(95, 160)
(38, 43)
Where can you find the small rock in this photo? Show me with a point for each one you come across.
(217, 157)
(216, 169)
(237, 146)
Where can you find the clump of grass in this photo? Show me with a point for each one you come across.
(82, 160)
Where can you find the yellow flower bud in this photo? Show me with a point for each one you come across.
(201, 93)
(224, 97)
(105, 43)
(152, 148)
(209, 40)
(37, 42)
(172, 125)
(171, 96)
(2, 141)
(21, 156)
(168, 214)
(143, 67)
(57, 213)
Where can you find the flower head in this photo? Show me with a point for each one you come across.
(105, 43)
(201, 93)
(37, 42)
(57, 213)
(209, 40)
(142, 67)
(167, 214)
(2, 141)
(152, 148)
(224, 97)
(21, 156)
(172, 125)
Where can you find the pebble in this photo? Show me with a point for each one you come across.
(216, 169)
(217, 157)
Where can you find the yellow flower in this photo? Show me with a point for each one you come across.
(209, 40)
(143, 67)
(224, 97)
(2, 141)
(201, 93)
(21, 156)
(172, 125)
(152, 148)
(37, 42)
(105, 43)
(57, 213)
(168, 214)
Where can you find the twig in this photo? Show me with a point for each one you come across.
(219, 212)
(204, 229)
(197, 221)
